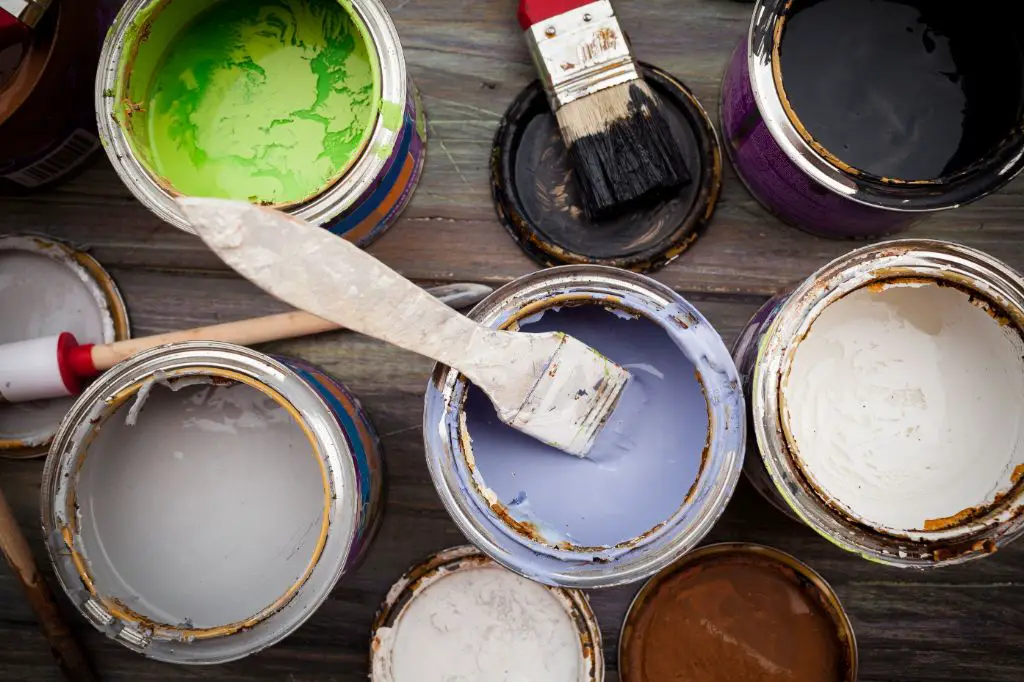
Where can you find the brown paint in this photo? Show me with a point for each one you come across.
(734, 617)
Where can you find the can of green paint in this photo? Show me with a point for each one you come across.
(305, 105)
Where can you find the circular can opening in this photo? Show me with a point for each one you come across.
(270, 101)
(200, 504)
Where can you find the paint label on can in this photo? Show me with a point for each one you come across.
(67, 156)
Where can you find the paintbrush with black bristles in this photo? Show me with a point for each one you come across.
(620, 145)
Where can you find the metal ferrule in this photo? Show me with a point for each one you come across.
(28, 12)
(581, 52)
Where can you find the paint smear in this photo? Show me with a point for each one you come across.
(644, 462)
(261, 101)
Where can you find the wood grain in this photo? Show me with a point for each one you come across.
(964, 623)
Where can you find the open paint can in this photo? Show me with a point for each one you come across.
(736, 611)
(851, 118)
(304, 105)
(662, 470)
(460, 616)
(47, 121)
(46, 288)
(201, 499)
(885, 398)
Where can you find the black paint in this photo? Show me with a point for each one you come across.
(538, 200)
(905, 89)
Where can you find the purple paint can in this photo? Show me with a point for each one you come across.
(829, 139)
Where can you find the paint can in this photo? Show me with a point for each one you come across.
(354, 181)
(843, 141)
(536, 199)
(47, 287)
(702, 617)
(560, 640)
(659, 476)
(47, 121)
(261, 486)
(926, 344)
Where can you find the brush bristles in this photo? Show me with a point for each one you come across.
(621, 149)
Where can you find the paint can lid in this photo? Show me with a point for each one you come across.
(536, 199)
(47, 288)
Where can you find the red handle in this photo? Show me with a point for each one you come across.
(535, 11)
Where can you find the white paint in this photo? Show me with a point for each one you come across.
(42, 293)
(204, 512)
(480, 625)
(906, 404)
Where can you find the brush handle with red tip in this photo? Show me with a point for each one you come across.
(535, 11)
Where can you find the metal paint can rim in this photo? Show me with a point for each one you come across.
(691, 220)
(982, 178)
(822, 589)
(383, 37)
(985, 277)
(699, 510)
(167, 642)
(113, 313)
(466, 557)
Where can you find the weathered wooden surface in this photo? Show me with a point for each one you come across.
(964, 623)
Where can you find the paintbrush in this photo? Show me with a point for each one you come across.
(620, 146)
(55, 366)
(549, 386)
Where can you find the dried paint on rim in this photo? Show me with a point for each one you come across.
(816, 588)
(766, 351)
(109, 304)
(468, 558)
(182, 365)
(524, 547)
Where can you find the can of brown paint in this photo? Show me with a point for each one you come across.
(387, 637)
(620, 514)
(735, 611)
(201, 499)
(364, 195)
(47, 120)
(918, 340)
(832, 110)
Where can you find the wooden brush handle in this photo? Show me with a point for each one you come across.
(535, 11)
(66, 651)
(244, 333)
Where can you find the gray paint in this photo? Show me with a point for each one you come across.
(205, 511)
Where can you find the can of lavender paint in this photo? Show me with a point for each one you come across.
(656, 482)
(359, 202)
(47, 121)
(804, 183)
(201, 499)
(566, 636)
(48, 287)
(898, 355)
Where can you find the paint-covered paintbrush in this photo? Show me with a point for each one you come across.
(549, 386)
(620, 145)
(55, 366)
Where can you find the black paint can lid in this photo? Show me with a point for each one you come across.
(536, 199)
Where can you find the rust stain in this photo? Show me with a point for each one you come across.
(954, 520)
(1017, 474)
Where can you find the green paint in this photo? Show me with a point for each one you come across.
(264, 100)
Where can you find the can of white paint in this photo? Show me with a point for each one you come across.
(358, 197)
(201, 500)
(47, 287)
(494, 622)
(885, 399)
(659, 476)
